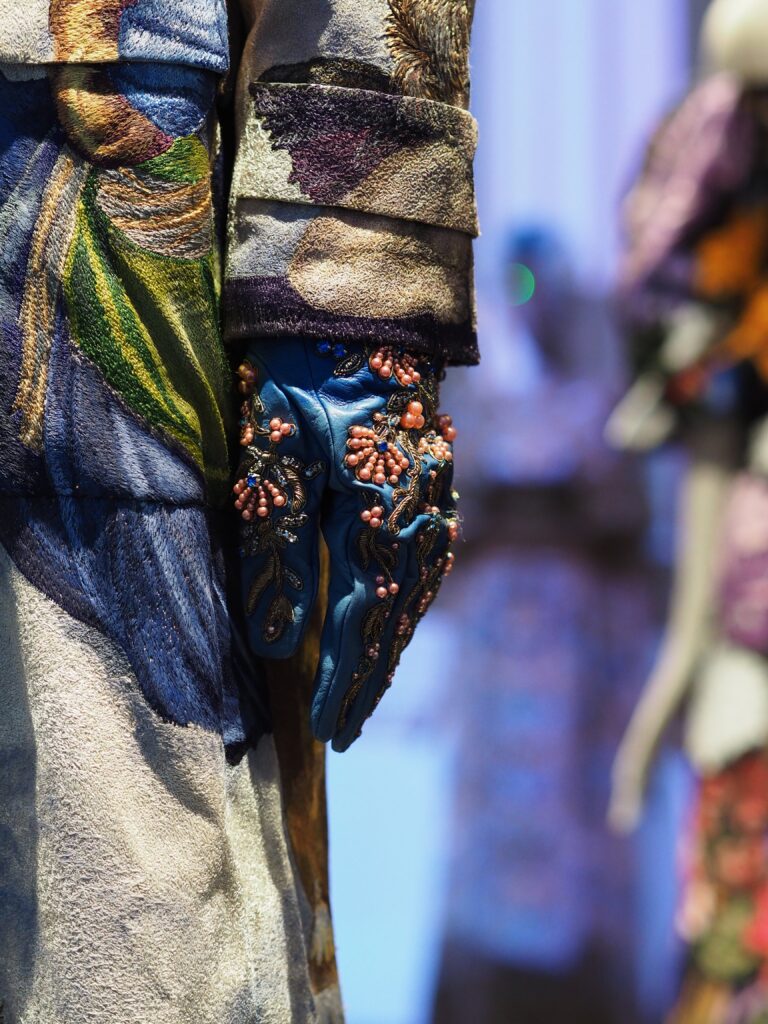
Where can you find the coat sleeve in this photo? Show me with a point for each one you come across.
(352, 206)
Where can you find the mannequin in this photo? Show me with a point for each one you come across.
(703, 379)
(735, 39)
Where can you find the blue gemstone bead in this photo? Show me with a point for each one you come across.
(323, 347)
(252, 481)
(382, 446)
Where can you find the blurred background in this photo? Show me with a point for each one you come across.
(474, 878)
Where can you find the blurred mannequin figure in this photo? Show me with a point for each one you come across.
(696, 279)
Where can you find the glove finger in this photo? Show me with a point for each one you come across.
(279, 488)
(385, 571)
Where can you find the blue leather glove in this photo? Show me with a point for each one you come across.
(346, 440)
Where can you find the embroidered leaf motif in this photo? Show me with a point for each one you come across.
(299, 494)
(260, 584)
(350, 364)
(294, 522)
(386, 557)
(374, 623)
(271, 494)
(364, 545)
(398, 403)
(429, 44)
(285, 536)
(293, 579)
(279, 616)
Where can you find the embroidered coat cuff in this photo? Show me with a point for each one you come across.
(353, 216)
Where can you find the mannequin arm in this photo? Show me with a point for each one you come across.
(688, 632)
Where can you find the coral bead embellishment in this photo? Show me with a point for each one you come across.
(404, 457)
(403, 367)
(270, 495)
(257, 492)
(247, 379)
(413, 417)
(373, 456)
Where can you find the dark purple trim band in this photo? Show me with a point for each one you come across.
(269, 307)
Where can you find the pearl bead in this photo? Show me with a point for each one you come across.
(279, 500)
(381, 592)
(262, 512)
(375, 523)
(415, 408)
(275, 436)
(394, 588)
(286, 429)
(365, 515)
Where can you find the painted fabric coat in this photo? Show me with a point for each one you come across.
(354, 207)
(145, 871)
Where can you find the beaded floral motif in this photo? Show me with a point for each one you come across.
(413, 608)
(388, 362)
(393, 450)
(393, 453)
(270, 495)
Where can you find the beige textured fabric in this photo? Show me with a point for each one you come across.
(354, 156)
(145, 878)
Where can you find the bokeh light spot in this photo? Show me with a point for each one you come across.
(522, 284)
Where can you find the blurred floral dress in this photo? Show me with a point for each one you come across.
(724, 914)
(698, 239)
